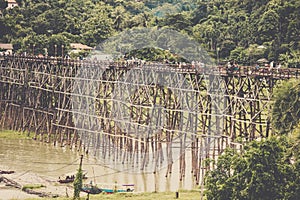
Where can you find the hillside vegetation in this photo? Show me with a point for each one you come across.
(229, 29)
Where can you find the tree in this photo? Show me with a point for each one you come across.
(120, 18)
(3, 4)
(4, 30)
(78, 181)
(286, 108)
(97, 28)
(56, 44)
(262, 171)
(177, 22)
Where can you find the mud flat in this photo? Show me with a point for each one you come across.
(22, 185)
(7, 193)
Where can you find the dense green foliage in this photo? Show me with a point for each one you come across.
(77, 184)
(154, 54)
(267, 169)
(286, 108)
(3, 4)
(241, 30)
(78, 181)
(264, 170)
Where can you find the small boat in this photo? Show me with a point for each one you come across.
(109, 189)
(69, 178)
(6, 172)
(119, 188)
(91, 189)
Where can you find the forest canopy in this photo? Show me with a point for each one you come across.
(229, 30)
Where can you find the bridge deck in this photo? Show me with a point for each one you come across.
(281, 73)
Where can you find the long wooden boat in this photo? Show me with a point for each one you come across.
(6, 172)
(91, 189)
(109, 189)
(69, 178)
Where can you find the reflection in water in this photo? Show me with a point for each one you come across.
(52, 162)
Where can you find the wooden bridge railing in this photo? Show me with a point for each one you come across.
(277, 73)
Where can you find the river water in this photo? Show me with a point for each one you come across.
(46, 160)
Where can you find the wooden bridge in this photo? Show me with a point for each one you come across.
(144, 116)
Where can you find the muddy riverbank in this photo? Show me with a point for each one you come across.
(22, 185)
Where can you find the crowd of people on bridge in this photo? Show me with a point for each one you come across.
(232, 66)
